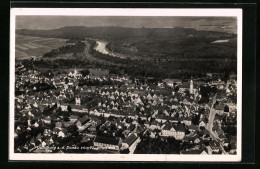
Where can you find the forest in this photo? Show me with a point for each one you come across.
(164, 69)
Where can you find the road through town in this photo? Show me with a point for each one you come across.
(209, 126)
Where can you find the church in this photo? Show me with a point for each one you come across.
(190, 86)
(75, 74)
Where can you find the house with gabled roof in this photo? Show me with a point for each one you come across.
(130, 142)
(214, 146)
(58, 125)
(171, 130)
(82, 123)
(147, 124)
(168, 130)
(32, 142)
(219, 108)
(64, 106)
(73, 118)
(106, 143)
(55, 131)
(67, 124)
(47, 120)
(154, 125)
(202, 124)
(39, 137)
(140, 129)
(187, 121)
(61, 134)
(94, 126)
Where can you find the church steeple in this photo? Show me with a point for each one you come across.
(191, 87)
(75, 71)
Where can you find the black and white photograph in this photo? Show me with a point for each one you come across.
(125, 84)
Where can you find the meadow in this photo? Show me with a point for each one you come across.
(30, 46)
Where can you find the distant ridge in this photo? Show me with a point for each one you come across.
(121, 33)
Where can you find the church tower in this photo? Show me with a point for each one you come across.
(191, 87)
(75, 72)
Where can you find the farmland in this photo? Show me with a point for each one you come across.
(29, 46)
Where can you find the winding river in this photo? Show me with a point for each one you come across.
(101, 47)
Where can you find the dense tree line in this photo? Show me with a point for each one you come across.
(79, 47)
(84, 72)
(88, 82)
(158, 146)
(170, 69)
(173, 49)
(57, 63)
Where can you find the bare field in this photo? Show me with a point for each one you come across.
(30, 46)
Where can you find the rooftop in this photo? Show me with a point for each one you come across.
(106, 140)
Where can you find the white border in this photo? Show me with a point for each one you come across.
(125, 12)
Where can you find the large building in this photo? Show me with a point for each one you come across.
(106, 143)
(171, 130)
(130, 142)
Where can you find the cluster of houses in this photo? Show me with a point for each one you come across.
(139, 108)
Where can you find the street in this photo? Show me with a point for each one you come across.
(209, 126)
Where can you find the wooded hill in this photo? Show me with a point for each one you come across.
(121, 33)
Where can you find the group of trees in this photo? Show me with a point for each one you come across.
(84, 72)
(79, 47)
(196, 117)
(53, 64)
(93, 82)
(158, 146)
(36, 87)
(205, 92)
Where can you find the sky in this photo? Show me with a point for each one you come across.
(226, 24)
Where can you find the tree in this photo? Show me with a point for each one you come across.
(124, 151)
(206, 120)
(195, 119)
(187, 92)
(110, 118)
(226, 108)
(201, 111)
(187, 132)
(66, 80)
(85, 72)
(176, 88)
(69, 108)
(140, 121)
(102, 118)
(73, 129)
(66, 118)
(202, 128)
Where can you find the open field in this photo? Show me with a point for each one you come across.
(30, 46)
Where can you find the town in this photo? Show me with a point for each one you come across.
(76, 113)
